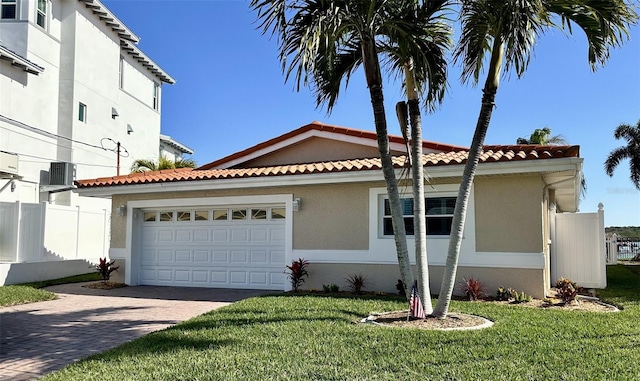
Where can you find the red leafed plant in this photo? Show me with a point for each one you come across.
(297, 272)
(105, 268)
(473, 288)
(567, 290)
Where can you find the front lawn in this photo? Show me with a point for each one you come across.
(314, 337)
(31, 292)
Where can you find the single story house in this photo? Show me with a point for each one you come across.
(318, 193)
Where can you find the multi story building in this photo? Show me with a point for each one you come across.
(74, 89)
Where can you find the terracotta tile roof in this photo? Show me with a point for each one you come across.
(491, 154)
(328, 128)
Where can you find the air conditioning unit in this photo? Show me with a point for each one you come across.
(8, 163)
(62, 173)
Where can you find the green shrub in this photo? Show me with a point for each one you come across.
(356, 283)
(330, 288)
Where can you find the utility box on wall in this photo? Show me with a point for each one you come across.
(62, 173)
(8, 163)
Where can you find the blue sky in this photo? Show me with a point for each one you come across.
(230, 93)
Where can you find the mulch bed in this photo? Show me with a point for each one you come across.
(105, 285)
(457, 321)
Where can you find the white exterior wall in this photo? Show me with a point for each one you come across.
(80, 55)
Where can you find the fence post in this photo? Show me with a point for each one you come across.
(77, 230)
(18, 229)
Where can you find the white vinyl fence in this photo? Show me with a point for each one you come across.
(45, 232)
(578, 249)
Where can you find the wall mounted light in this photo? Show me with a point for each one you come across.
(129, 129)
(297, 203)
(114, 113)
(122, 210)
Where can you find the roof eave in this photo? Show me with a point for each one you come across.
(110, 20)
(19, 61)
(442, 171)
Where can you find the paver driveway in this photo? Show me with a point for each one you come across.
(39, 338)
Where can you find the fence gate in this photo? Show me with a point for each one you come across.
(578, 249)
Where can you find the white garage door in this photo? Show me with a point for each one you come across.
(234, 247)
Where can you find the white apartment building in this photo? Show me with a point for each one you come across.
(73, 88)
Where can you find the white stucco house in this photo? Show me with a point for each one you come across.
(74, 90)
(172, 149)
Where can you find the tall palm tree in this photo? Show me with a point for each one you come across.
(146, 165)
(506, 32)
(629, 151)
(323, 42)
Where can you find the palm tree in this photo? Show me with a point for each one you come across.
(506, 32)
(323, 42)
(146, 165)
(542, 136)
(629, 151)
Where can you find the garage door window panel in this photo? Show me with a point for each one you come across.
(183, 216)
(258, 214)
(166, 216)
(201, 215)
(277, 213)
(220, 214)
(239, 214)
(150, 216)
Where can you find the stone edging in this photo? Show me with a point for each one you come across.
(486, 323)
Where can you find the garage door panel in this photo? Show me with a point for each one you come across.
(220, 235)
(165, 236)
(164, 275)
(258, 278)
(239, 235)
(200, 276)
(183, 256)
(238, 256)
(219, 278)
(201, 235)
(201, 256)
(259, 235)
(220, 256)
(232, 254)
(238, 277)
(165, 256)
(182, 275)
(276, 235)
(183, 235)
(259, 257)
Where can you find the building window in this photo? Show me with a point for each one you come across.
(121, 72)
(82, 112)
(41, 15)
(9, 9)
(439, 215)
(156, 96)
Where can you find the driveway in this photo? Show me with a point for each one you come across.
(39, 338)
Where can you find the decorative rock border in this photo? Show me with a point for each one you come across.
(486, 323)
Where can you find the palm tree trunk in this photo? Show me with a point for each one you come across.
(417, 172)
(373, 74)
(468, 174)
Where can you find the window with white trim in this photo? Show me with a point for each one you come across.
(156, 96)
(82, 112)
(8, 9)
(438, 211)
(41, 14)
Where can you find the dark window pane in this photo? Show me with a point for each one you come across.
(439, 225)
(408, 225)
(387, 226)
(407, 206)
(8, 11)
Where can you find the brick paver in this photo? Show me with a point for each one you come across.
(39, 338)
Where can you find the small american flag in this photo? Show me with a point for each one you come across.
(415, 305)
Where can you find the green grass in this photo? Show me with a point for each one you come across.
(31, 292)
(313, 337)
